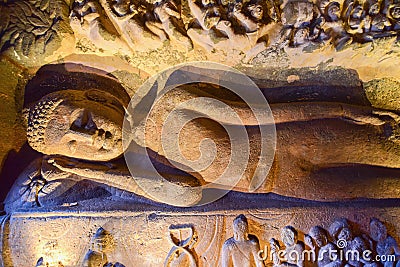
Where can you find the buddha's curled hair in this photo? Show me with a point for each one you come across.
(38, 118)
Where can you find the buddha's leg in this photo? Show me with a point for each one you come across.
(335, 159)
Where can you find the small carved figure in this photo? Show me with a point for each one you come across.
(205, 15)
(122, 7)
(293, 248)
(248, 15)
(325, 254)
(385, 244)
(394, 16)
(103, 243)
(242, 249)
(257, 34)
(85, 10)
(336, 227)
(353, 18)
(129, 20)
(202, 29)
(301, 23)
(353, 246)
(376, 21)
(275, 248)
(164, 26)
(333, 26)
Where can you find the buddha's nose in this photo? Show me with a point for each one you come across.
(84, 124)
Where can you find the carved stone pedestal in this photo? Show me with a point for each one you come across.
(150, 236)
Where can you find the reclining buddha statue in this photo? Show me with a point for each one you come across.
(78, 127)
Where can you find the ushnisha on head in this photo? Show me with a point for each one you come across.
(79, 124)
(103, 241)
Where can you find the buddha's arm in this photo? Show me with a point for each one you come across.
(225, 111)
(98, 172)
(186, 190)
(293, 112)
(306, 111)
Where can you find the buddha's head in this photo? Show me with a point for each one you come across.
(345, 234)
(79, 124)
(319, 235)
(289, 236)
(337, 226)
(240, 228)
(256, 11)
(378, 231)
(103, 241)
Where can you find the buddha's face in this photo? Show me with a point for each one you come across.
(345, 234)
(395, 12)
(378, 231)
(240, 229)
(289, 237)
(85, 125)
(374, 9)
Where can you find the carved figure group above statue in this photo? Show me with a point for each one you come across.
(252, 26)
(244, 27)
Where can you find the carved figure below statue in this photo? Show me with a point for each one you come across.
(242, 249)
(384, 243)
(103, 243)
